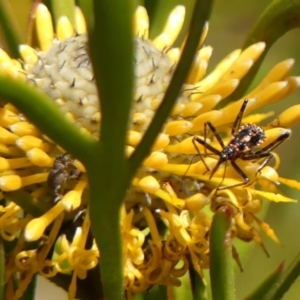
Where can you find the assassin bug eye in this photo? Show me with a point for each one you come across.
(245, 139)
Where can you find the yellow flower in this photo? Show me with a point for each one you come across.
(173, 187)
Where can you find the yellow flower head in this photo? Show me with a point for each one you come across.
(182, 182)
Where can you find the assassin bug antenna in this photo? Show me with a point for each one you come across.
(245, 138)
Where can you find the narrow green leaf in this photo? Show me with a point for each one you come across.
(201, 14)
(221, 262)
(46, 116)
(198, 286)
(262, 290)
(286, 280)
(10, 28)
(111, 49)
(157, 293)
(278, 18)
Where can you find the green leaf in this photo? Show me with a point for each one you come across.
(286, 280)
(198, 286)
(157, 293)
(111, 49)
(10, 28)
(278, 18)
(221, 262)
(262, 290)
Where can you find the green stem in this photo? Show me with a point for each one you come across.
(221, 265)
(111, 49)
(106, 193)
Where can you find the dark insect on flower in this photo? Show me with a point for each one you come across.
(245, 139)
(59, 174)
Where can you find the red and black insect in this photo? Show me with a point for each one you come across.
(245, 139)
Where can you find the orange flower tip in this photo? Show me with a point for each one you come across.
(28, 54)
(80, 21)
(191, 109)
(288, 118)
(24, 128)
(172, 28)
(260, 46)
(141, 22)
(200, 167)
(156, 160)
(161, 142)
(139, 118)
(64, 28)
(4, 58)
(39, 157)
(174, 54)
(176, 18)
(149, 184)
(29, 142)
(269, 173)
(196, 202)
(174, 128)
(7, 137)
(4, 165)
(71, 200)
(133, 138)
(34, 230)
(10, 183)
(77, 164)
(177, 109)
(129, 150)
(273, 133)
(44, 26)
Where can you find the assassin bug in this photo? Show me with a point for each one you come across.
(245, 138)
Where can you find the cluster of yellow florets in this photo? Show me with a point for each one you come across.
(168, 188)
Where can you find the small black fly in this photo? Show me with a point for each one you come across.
(245, 138)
